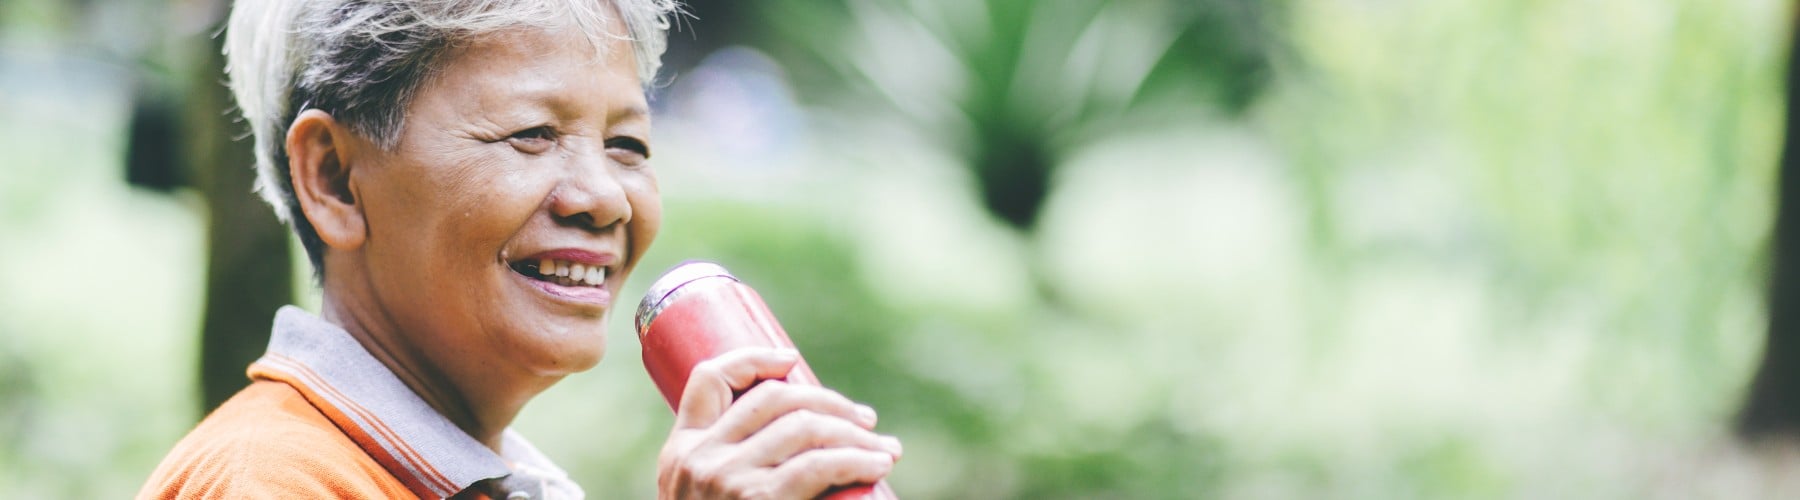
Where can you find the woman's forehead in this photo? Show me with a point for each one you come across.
(572, 43)
(537, 69)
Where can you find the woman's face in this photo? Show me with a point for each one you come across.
(523, 153)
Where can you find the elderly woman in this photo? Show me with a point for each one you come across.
(471, 181)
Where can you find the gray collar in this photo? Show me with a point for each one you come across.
(418, 445)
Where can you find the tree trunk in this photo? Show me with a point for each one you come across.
(248, 270)
(1772, 407)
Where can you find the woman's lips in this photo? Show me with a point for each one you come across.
(597, 296)
(578, 256)
(572, 274)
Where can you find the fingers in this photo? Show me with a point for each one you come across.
(800, 431)
(710, 385)
(811, 473)
(775, 398)
(795, 440)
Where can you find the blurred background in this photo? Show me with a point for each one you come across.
(1376, 249)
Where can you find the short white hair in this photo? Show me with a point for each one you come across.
(362, 61)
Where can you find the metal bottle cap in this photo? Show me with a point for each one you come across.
(663, 290)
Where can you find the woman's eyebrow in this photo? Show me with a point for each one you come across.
(558, 102)
(631, 112)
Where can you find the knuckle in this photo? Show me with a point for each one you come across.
(810, 423)
(704, 375)
(708, 476)
(712, 368)
(832, 423)
(830, 436)
(814, 392)
(810, 461)
(832, 400)
(675, 453)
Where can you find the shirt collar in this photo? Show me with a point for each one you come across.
(418, 445)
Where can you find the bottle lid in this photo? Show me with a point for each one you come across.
(662, 291)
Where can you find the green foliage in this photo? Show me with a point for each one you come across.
(1015, 85)
(1596, 155)
(1478, 249)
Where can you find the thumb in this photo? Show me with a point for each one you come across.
(710, 387)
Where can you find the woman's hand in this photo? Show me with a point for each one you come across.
(779, 440)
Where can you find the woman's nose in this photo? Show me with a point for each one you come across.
(590, 197)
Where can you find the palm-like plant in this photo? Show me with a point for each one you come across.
(1012, 86)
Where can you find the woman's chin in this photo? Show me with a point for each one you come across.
(557, 357)
(546, 334)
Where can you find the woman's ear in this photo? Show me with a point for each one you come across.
(320, 159)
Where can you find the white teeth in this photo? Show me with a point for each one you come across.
(571, 274)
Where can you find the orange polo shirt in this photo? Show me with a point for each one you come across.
(323, 418)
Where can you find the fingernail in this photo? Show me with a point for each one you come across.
(865, 414)
(892, 445)
(787, 354)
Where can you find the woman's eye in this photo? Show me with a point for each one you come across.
(635, 150)
(533, 140)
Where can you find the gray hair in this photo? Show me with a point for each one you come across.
(362, 61)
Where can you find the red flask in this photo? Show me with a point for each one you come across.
(697, 311)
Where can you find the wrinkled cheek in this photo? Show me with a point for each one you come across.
(496, 207)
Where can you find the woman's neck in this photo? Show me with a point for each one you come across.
(481, 404)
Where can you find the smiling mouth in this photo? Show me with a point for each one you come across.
(562, 272)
